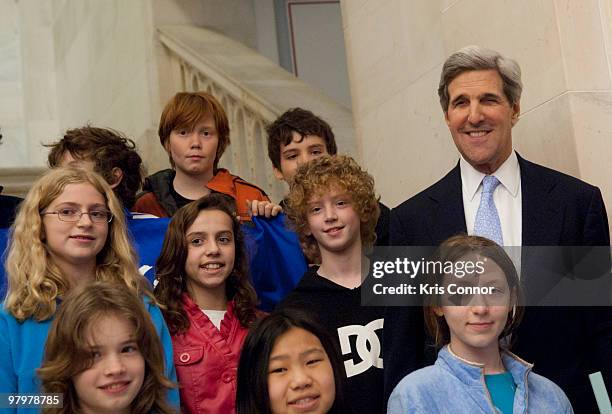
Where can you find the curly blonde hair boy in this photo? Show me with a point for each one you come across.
(320, 176)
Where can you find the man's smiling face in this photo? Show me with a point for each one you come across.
(480, 118)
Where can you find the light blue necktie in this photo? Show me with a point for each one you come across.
(487, 222)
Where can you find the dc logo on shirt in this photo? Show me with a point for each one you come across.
(367, 346)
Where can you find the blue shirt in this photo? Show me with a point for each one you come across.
(502, 388)
(22, 348)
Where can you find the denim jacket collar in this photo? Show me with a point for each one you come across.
(472, 373)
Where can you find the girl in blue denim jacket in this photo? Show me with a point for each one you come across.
(473, 372)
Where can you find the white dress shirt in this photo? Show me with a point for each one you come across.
(507, 197)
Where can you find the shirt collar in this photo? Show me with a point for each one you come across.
(470, 373)
(508, 174)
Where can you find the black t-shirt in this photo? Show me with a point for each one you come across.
(357, 330)
(179, 199)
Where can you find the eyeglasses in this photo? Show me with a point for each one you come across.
(72, 215)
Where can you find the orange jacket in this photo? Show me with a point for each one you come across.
(157, 200)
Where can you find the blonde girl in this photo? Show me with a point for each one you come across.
(70, 230)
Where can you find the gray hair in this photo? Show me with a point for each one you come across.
(479, 58)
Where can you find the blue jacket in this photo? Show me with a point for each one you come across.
(22, 349)
(276, 261)
(453, 385)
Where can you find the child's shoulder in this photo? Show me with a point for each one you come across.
(237, 188)
(154, 310)
(227, 183)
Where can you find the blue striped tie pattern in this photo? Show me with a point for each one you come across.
(487, 222)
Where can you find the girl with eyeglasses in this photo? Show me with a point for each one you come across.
(70, 231)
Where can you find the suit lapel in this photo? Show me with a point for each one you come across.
(446, 218)
(542, 226)
(542, 221)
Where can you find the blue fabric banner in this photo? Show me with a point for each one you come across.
(276, 261)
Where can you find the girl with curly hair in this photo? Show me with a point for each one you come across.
(70, 231)
(207, 299)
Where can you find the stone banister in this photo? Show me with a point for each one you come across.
(18, 180)
(253, 90)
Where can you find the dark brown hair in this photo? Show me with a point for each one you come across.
(458, 247)
(107, 149)
(68, 351)
(320, 176)
(185, 110)
(304, 123)
(170, 266)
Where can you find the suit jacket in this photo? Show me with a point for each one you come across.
(565, 344)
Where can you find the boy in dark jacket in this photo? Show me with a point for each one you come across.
(194, 131)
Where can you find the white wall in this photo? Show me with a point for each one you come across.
(395, 50)
(265, 25)
(65, 63)
(103, 53)
(13, 150)
(318, 53)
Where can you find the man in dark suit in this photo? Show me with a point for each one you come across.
(533, 206)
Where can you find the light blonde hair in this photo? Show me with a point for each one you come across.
(34, 281)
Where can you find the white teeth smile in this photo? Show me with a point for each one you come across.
(303, 400)
(114, 386)
(476, 134)
(212, 266)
